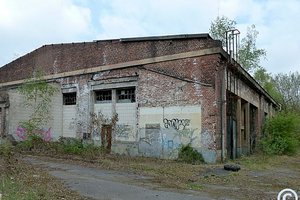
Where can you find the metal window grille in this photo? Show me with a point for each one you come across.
(103, 96)
(126, 95)
(69, 98)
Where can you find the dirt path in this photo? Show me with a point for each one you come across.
(113, 185)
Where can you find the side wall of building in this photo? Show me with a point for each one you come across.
(247, 109)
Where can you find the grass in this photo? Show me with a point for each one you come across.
(31, 183)
(19, 180)
(260, 177)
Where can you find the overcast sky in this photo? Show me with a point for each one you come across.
(28, 24)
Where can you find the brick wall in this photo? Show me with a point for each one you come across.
(57, 58)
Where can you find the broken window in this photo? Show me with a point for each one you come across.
(103, 96)
(69, 98)
(126, 95)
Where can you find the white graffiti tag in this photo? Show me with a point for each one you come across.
(178, 124)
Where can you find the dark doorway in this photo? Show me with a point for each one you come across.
(253, 127)
(231, 126)
(106, 135)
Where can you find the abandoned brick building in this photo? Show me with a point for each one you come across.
(167, 91)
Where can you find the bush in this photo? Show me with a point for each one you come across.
(72, 145)
(32, 143)
(77, 147)
(282, 134)
(189, 155)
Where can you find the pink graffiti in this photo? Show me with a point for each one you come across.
(21, 133)
(45, 134)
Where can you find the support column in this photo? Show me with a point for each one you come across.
(260, 118)
(114, 101)
(238, 127)
(247, 126)
(113, 110)
(1, 122)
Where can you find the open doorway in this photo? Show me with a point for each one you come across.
(231, 126)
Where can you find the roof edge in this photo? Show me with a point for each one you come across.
(167, 37)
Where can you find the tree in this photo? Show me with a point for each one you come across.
(219, 27)
(266, 80)
(37, 97)
(289, 87)
(249, 55)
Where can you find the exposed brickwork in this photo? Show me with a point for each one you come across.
(52, 59)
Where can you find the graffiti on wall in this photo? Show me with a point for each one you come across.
(45, 134)
(178, 124)
(123, 130)
(152, 134)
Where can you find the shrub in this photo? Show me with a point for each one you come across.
(77, 147)
(281, 134)
(189, 155)
(72, 145)
(32, 143)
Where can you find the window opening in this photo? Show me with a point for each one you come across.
(126, 95)
(69, 98)
(103, 96)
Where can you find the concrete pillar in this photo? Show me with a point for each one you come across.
(114, 101)
(238, 127)
(2, 121)
(259, 119)
(247, 126)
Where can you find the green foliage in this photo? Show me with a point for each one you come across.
(37, 97)
(73, 146)
(189, 155)
(249, 55)
(266, 80)
(282, 134)
(77, 147)
(288, 85)
(219, 27)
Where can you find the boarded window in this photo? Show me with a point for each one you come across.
(69, 98)
(126, 95)
(103, 96)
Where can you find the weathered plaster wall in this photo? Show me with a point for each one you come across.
(164, 129)
(126, 126)
(18, 112)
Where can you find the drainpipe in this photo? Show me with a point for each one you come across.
(223, 116)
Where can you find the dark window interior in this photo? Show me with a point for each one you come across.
(103, 96)
(126, 95)
(69, 98)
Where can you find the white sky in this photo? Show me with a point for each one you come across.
(28, 24)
